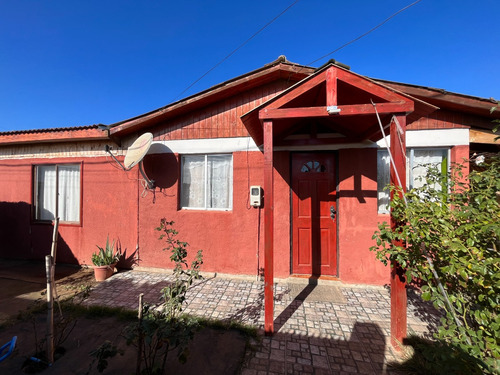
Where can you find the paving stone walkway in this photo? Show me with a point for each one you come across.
(330, 328)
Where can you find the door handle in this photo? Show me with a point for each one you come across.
(332, 212)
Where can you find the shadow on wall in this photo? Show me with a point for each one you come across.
(21, 239)
(161, 165)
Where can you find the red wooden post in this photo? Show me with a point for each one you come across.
(268, 229)
(398, 282)
(331, 86)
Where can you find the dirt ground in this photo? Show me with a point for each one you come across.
(22, 284)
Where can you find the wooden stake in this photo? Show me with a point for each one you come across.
(53, 250)
(139, 333)
(50, 271)
(53, 253)
(50, 310)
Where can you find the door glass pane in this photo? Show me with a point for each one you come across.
(313, 166)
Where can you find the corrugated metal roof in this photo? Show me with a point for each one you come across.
(48, 130)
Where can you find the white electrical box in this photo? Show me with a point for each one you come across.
(255, 196)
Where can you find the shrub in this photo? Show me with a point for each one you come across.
(452, 226)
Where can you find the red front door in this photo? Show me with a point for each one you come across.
(314, 218)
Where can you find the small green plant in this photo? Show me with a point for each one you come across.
(174, 294)
(101, 355)
(163, 329)
(110, 254)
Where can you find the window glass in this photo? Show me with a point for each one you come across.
(313, 166)
(383, 179)
(207, 181)
(421, 160)
(418, 160)
(57, 192)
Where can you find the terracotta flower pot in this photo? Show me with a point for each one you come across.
(101, 273)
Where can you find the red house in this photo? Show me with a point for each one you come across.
(311, 139)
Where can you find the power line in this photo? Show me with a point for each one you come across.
(237, 48)
(308, 64)
(368, 32)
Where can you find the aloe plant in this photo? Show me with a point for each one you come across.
(106, 255)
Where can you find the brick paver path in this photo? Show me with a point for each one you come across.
(324, 329)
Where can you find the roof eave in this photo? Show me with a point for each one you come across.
(446, 99)
(53, 136)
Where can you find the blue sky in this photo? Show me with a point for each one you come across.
(75, 62)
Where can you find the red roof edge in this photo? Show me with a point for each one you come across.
(74, 134)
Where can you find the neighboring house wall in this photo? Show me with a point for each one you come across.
(108, 205)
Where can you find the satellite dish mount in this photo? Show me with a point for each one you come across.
(135, 154)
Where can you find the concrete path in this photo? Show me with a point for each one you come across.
(330, 328)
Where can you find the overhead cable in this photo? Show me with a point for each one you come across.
(366, 33)
(237, 48)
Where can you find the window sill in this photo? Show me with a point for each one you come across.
(187, 209)
(61, 223)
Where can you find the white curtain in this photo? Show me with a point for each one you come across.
(220, 181)
(69, 192)
(46, 192)
(193, 181)
(207, 181)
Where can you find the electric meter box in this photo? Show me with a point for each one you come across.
(255, 196)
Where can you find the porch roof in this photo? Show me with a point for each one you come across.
(332, 106)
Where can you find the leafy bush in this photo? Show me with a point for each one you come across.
(452, 225)
(163, 329)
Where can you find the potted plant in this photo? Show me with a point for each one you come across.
(105, 260)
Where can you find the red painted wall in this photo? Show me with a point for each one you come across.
(109, 206)
(232, 241)
(358, 217)
(227, 238)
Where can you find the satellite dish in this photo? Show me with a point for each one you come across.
(138, 150)
(135, 153)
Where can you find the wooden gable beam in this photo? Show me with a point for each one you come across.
(369, 86)
(345, 110)
(299, 90)
(283, 113)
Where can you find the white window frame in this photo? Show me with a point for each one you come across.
(206, 184)
(35, 186)
(410, 160)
